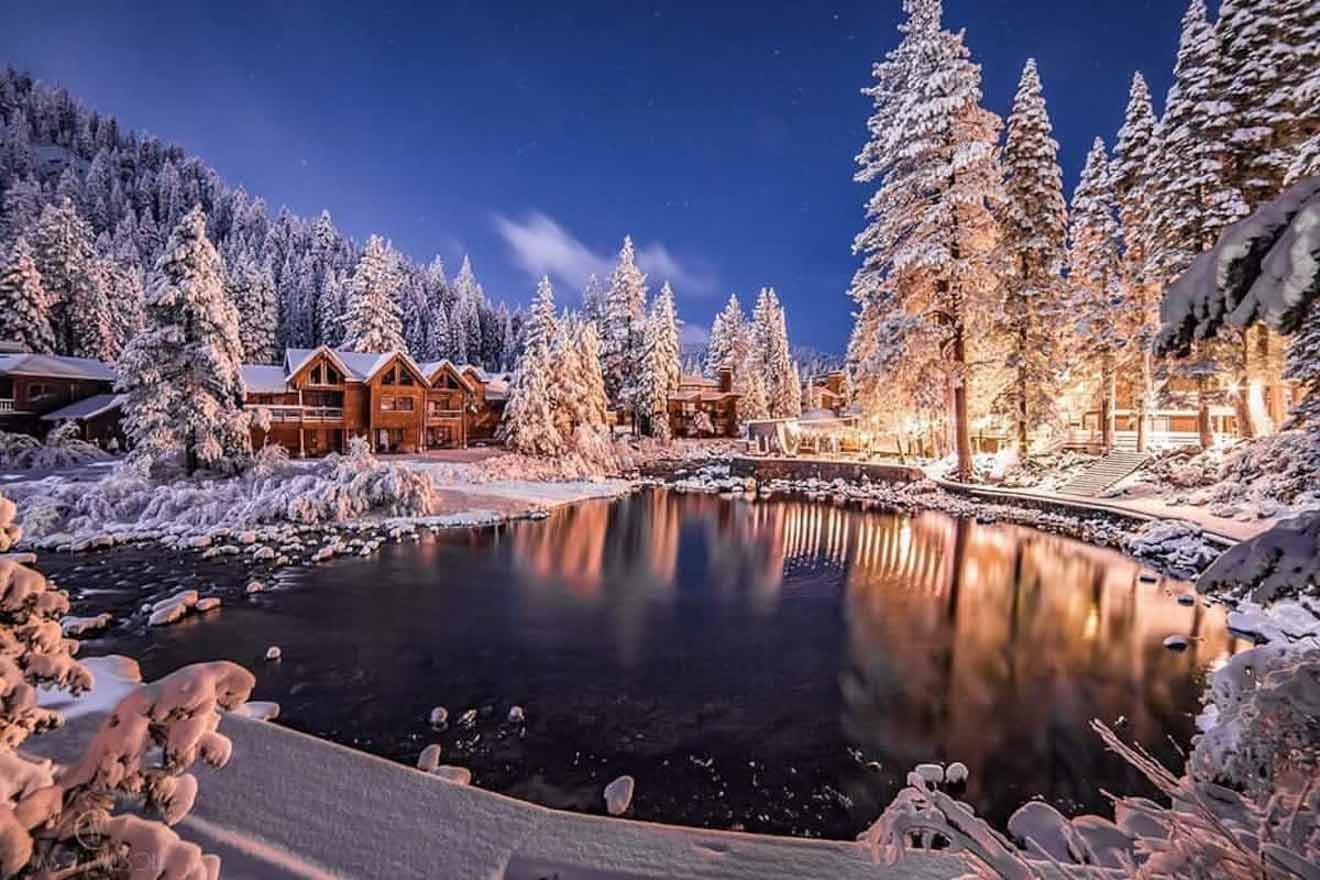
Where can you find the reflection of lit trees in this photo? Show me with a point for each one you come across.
(1033, 634)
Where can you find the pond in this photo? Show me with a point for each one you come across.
(775, 666)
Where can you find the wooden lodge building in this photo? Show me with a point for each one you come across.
(39, 391)
(713, 397)
(320, 398)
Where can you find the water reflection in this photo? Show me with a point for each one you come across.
(744, 660)
(989, 644)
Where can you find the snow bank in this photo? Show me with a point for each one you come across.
(1285, 560)
(125, 503)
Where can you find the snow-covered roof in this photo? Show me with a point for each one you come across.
(358, 366)
(87, 408)
(695, 381)
(430, 368)
(707, 395)
(264, 379)
(58, 366)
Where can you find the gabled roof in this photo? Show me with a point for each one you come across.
(87, 408)
(56, 366)
(357, 366)
(264, 378)
(431, 368)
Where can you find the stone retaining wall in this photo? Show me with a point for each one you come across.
(819, 469)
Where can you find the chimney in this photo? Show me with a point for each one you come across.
(726, 379)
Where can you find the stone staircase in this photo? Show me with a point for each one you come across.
(1104, 473)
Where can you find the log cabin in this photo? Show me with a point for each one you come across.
(320, 398)
(38, 391)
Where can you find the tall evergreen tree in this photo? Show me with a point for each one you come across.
(252, 291)
(1131, 167)
(1034, 229)
(181, 374)
(783, 396)
(724, 334)
(660, 366)
(1096, 279)
(529, 424)
(24, 311)
(66, 258)
(371, 321)
(622, 331)
(926, 250)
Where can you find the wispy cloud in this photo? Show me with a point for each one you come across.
(541, 246)
(693, 334)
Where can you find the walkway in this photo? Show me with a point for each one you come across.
(290, 805)
(1227, 531)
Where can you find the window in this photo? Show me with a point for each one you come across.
(405, 378)
(397, 404)
(37, 391)
(315, 378)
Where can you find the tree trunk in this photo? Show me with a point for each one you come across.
(1023, 442)
(1241, 402)
(1108, 391)
(1203, 413)
(1144, 393)
(961, 430)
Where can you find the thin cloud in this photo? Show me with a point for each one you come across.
(693, 334)
(541, 246)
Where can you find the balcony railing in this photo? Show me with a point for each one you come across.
(443, 414)
(1128, 439)
(302, 414)
(6, 404)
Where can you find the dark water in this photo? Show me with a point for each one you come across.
(745, 661)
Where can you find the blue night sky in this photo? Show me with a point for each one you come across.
(535, 135)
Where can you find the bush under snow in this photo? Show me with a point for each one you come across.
(61, 450)
(334, 489)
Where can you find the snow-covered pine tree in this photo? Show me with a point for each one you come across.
(529, 424)
(1268, 57)
(252, 291)
(1130, 167)
(464, 319)
(725, 331)
(66, 258)
(594, 296)
(927, 247)
(330, 308)
(1095, 276)
(371, 321)
(660, 367)
(623, 328)
(24, 311)
(181, 373)
(1034, 229)
(783, 396)
(1189, 203)
(125, 289)
(592, 405)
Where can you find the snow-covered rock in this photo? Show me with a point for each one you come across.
(517, 715)
(258, 710)
(456, 775)
(429, 759)
(274, 654)
(79, 626)
(619, 795)
(207, 603)
(439, 716)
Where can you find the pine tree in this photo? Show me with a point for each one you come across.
(623, 328)
(592, 403)
(371, 322)
(724, 333)
(1268, 57)
(1096, 279)
(1131, 168)
(124, 284)
(529, 424)
(181, 374)
(24, 311)
(926, 251)
(464, 320)
(660, 367)
(594, 296)
(251, 289)
(66, 258)
(783, 396)
(1034, 227)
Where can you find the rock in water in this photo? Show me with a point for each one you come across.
(273, 653)
(516, 715)
(258, 710)
(254, 587)
(619, 795)
(430, 758)
(468, 718)
(1186, 598)
(932, 773)
(456, 775)
(1176, 643)
(439, 716)
(207, 604)
(956, 773)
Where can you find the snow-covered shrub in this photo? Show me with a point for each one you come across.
(1282, 560)
(335, 489)
(62, 816)
(62, 449)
